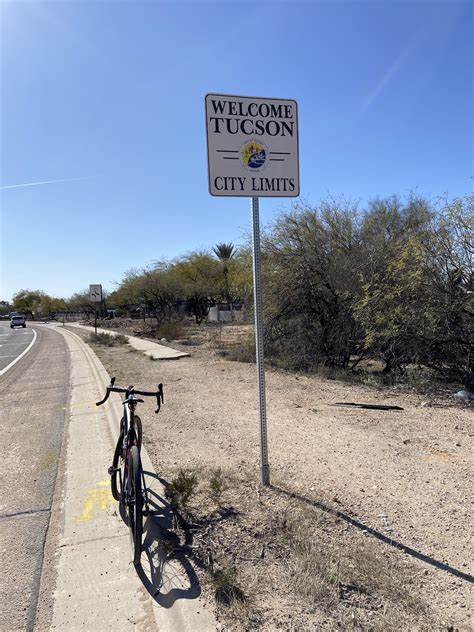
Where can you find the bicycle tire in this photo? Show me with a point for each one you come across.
(138, 431)
(116, 492)
(135, 503)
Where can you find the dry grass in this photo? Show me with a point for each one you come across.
(107, 340)
(273, 563)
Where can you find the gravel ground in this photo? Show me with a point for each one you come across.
(404, 476)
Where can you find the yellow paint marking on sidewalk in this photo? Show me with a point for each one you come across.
(92, 401)
(99, 499)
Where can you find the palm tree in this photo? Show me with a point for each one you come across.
(225, 252)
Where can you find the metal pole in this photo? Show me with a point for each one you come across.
(257, 295)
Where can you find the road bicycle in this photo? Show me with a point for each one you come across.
(127, 479)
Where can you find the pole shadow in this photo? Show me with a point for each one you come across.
(377, 534)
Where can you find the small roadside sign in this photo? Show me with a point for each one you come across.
(95, 293)
(252, 146)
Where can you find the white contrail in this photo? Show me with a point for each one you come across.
(397, 64)
(34, 184)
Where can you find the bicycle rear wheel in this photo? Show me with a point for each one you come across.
(135, 503)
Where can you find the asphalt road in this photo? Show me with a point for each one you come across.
(13, 342)
(34, 395)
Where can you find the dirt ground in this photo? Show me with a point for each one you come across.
(383, 498)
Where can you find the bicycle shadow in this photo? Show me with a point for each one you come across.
(165, 568)
(377, 534)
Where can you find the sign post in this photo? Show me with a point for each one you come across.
(95, 295)
(252, 150)
(257, 300)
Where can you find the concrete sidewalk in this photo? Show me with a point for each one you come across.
(98, 588)
(149, 348)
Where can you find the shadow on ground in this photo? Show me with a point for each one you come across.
(165, 568)
(377, 534)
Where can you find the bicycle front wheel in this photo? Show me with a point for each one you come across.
(116, 475)
(137, 422)
(135, 503)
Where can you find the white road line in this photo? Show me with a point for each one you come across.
(22, 332)
(9, 366)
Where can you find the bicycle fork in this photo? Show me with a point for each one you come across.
(146, 505)
(124, 498)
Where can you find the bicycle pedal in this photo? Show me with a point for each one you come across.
(112, 470)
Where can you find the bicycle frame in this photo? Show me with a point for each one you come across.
(129, 431)
(130, 438)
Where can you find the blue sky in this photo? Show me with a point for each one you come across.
(109, 96)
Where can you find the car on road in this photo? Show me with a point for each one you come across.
(17, 321)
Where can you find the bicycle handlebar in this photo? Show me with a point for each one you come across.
(131, 391)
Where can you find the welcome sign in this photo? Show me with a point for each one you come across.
(252, 146)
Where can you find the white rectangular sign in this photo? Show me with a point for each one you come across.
(252, 146)
(95, 293)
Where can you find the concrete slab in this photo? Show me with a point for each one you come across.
(149, 348)
(98, 587)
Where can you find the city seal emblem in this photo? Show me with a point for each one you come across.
(254, 155)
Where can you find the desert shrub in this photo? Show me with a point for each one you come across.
(394, 282)
(120, 339)
(108, 340)
(171, 330)
(181, 488)
(215, 337)
(243, 351)
(227, 590)
(216, 482)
